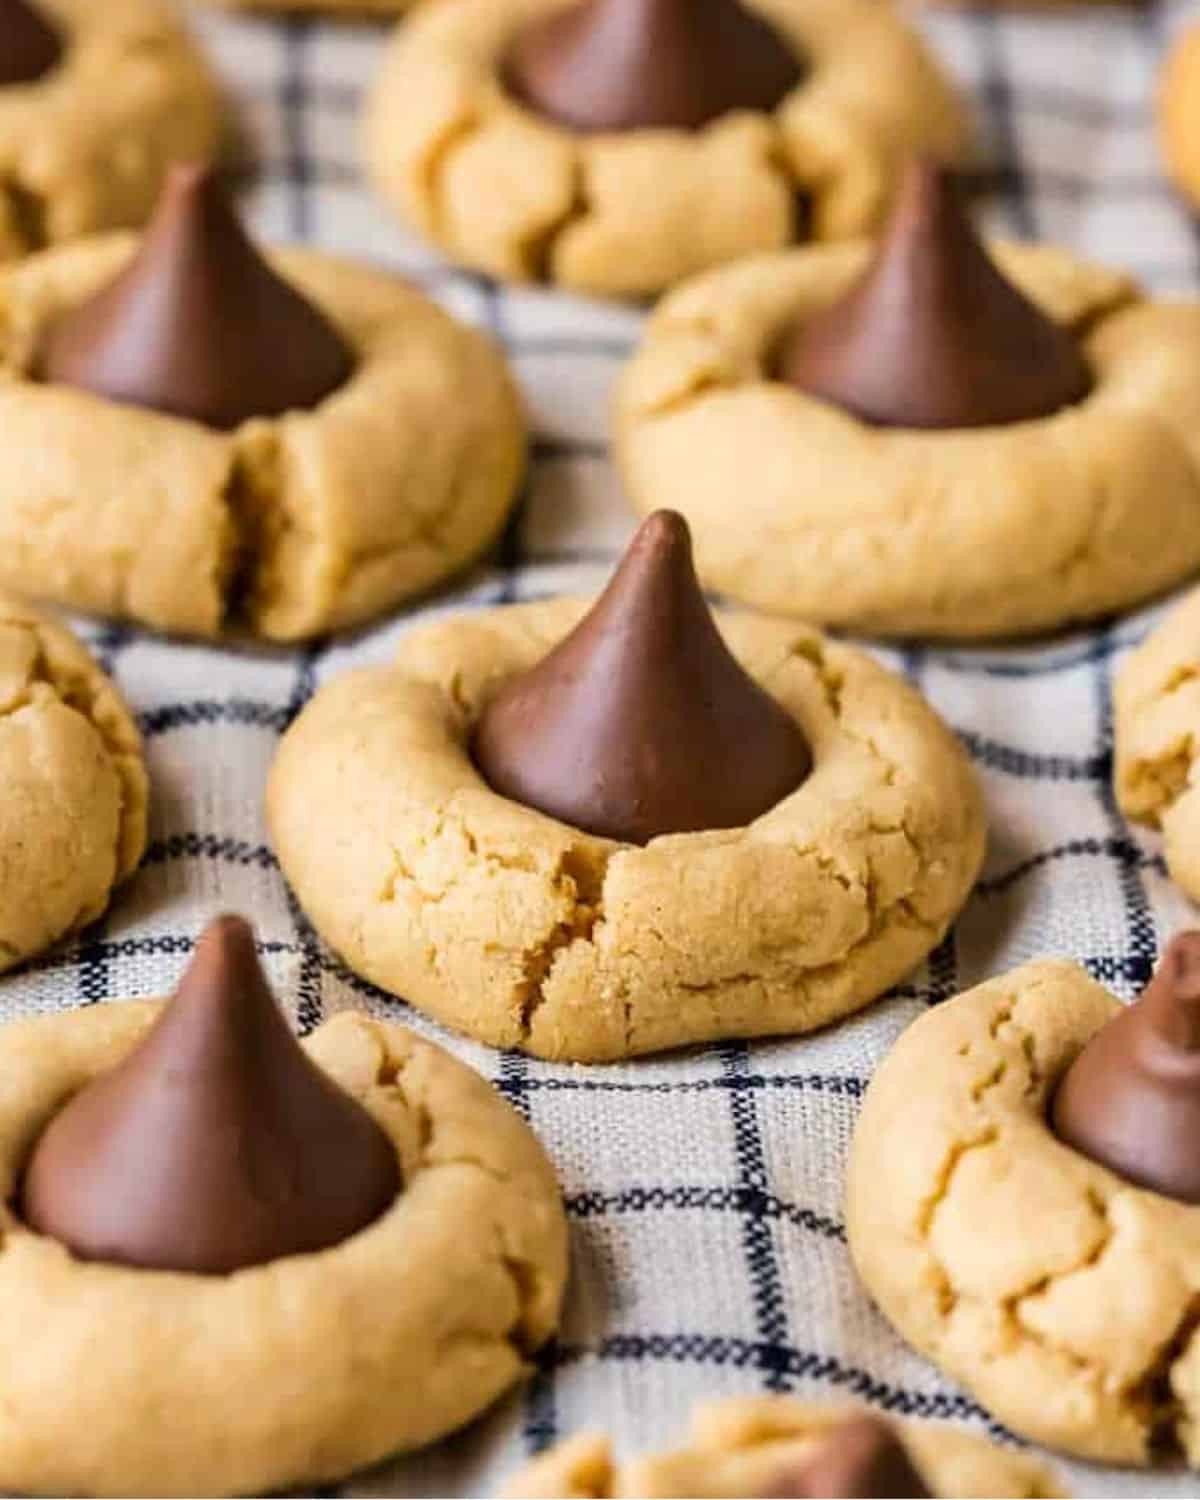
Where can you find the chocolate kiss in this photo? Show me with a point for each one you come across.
(861, 1458)
(933, 335)
(216, 1144)
(198, 324)
(641, 722)
(646, 64)
(1131, 1099)
(29, 46)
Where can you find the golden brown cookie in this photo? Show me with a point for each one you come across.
(313, 521)
(1179, 112)
(969, 532)
(73, 817)
(508, 192)
(300, 1369)
(85, 146)
(1156, 703)
(747, 1445)
(1061, 1295)
(525, 932)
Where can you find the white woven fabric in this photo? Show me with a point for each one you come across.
(704, 1190)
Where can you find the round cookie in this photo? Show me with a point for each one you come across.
(301, 1369)
(746, 1444)
(1179, 112)
(629, 213)
(526, 932)
(85, 146)
(1081, 1335)
(314, 520)
(1156, 711)
(73, 821)
(973, 532)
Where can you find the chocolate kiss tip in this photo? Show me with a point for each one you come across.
(29, 45)
(862, 1457)
(932, 335)
(650, 64)
(665, 530)
(216, 1144)
(1131, 1099)
(641, 722)
(195, 324)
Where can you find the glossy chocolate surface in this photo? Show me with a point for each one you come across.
(932, 335)
(29, 45)
(642, 722)
(198, 324)
(216, 1144)
(1131, 1100)
(619, 65)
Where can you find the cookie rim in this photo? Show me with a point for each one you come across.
(70, 678)
(421, 700)
(1156, 737)
(374, 1060)
(697, 363)
(193, 102)
(1106, 1425)
(842, 151)
(262, 497)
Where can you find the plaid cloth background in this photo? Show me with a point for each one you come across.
(704, 1190)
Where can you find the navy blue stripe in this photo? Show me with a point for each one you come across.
(837, 1084)
(1141, 936)
(293, 97)
(209, 846)
(758, 1241)
(997, 96)
(1123, 850)
(1024, 763)
(1099, 649)
(106, 645)
(721, 1350)
(309, 1005)
(203, 712)
(637, 1200)
(178, 945)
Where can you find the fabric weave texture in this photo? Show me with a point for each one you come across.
(704, 1189)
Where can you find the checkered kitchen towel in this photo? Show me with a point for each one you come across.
(704, 1190)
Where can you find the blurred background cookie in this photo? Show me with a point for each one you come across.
(536, 141)
(1179, 113)
(73, 816)
(96, 101)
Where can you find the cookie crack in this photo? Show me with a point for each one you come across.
(524, 1335)
(576, 882)
(1149, 1396)
(27, 214)
(433, 168)
(536, 248)
(1157, 781)
(1170, 1424)
(580, 880)
(956, 1153)
(81, 691)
